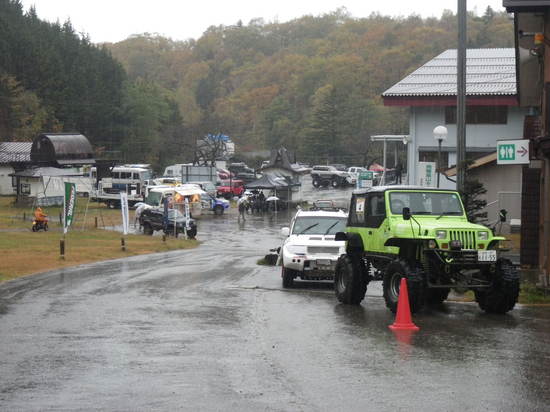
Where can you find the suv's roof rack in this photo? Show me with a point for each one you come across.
(327, 205)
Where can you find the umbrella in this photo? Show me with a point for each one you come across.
(272, 199)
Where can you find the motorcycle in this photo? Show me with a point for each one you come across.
(39, 225)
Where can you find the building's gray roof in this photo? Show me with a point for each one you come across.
(47, 171)
(488, 72)
(13, 152)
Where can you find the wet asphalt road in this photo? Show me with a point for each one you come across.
(208, 329)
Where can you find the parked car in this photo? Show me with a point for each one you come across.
(153, 220)
(242, 172)
(216, 205)
(224, 174)
(310, 250)
(230, 188)
(354, 173)
(329, 175)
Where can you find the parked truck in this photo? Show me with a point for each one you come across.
(188, 173)
(131, 179)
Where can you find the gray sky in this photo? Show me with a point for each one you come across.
(115, 20)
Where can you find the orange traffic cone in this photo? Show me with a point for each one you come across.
(403, 319)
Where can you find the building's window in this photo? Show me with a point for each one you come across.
(432, 157)
(479, 115)
(25, 189)
(13, 182)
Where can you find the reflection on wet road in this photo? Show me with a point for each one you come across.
(208, 329)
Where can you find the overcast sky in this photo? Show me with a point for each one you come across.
(115, 20)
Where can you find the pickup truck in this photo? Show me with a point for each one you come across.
(330, 175)
(230, 188)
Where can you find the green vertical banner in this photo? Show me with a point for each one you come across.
(69, 204)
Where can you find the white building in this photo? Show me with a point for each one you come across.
(492, 111)
(13, 156)
(492, 114)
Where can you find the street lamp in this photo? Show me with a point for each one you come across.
(440, 134)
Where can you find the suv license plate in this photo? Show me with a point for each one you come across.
(487, 255)
(323, 262)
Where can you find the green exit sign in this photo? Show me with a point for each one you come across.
(512, 152)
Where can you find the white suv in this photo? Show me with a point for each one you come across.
(310, 251)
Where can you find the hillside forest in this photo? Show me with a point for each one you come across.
(312, 84)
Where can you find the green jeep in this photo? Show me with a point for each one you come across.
(421, 234)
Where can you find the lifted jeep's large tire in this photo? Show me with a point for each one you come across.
(218, 210)
(503, 294)
(335, 182)
(350, 280)
(316, 182)
(288, 277)
(436, 296)
(415, 285)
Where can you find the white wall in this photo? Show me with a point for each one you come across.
(5, 181)
(423, 120)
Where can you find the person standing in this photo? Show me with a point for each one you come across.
(398, 173)
(242, 205)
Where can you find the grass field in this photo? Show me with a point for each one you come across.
(86, 213)
(25, 252)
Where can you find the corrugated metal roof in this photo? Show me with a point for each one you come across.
(15, 152)
(488, 72)
(47, 171)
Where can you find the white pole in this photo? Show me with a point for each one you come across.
(384, 172)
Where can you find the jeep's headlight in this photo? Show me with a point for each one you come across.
(296, 249)
(484, 235)
(440, 234)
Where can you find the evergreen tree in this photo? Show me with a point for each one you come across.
(321, 138)
(471, 197)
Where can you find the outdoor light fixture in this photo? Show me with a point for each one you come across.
(440, 134)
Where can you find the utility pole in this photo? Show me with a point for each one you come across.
(461, 97)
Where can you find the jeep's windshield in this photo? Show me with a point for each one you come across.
(153, 198)
(319, 225)
(426, 203)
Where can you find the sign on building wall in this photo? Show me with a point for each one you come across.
(513, 152)
(425, 175)
(365, 179)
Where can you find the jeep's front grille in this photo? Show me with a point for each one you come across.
(323, 249)
(466, 237)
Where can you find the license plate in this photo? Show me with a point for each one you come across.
(323, 262)
(487, 255)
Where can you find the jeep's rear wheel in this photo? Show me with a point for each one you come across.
(288, 277)
(350, 282)
(218, 210)
(316, 182)
(391, 284)
(335, 182)
(437, 296)
(503, 294)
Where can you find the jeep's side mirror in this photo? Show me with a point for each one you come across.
(341, 236)
(285, 231)
(502, 215)
(406, 213)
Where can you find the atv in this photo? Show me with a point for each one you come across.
(423, 235)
